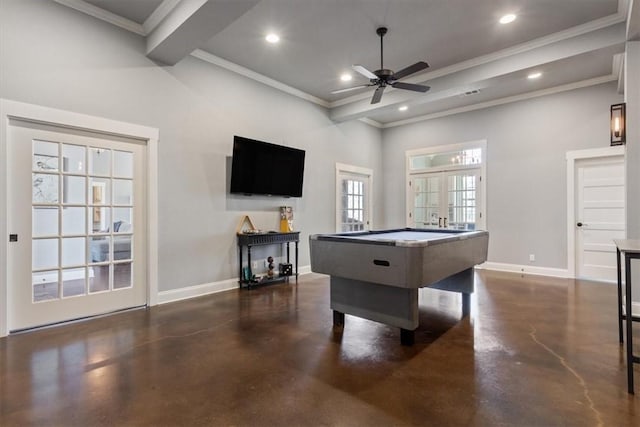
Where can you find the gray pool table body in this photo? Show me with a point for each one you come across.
(376, 275)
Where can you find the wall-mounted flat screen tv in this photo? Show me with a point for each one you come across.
(259, 167)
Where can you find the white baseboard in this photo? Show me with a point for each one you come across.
(524, 269)
(195, 291)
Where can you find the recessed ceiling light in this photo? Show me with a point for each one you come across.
(345, 77)
(510, 17)
(272, 38)
(534, 75)
(403, 108)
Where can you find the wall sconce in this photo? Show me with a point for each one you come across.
(618, 124)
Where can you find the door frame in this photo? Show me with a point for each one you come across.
(572, 158)
(356, 170)
(13, 110)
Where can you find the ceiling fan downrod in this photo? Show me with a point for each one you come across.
(381, 31)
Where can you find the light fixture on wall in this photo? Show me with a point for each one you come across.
(618, 131)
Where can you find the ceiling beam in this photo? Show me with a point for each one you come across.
(485, 74)
(190, 24)
(633, 21)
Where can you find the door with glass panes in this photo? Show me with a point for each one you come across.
(445, 199)
(75, 209)
(353, 192)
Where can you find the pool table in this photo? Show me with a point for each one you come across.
(376, 274)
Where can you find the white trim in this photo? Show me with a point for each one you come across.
(366, 172)
(572, 157)
(51, 116)
(104, 15)
(196, 291)
(524, 269)
(371, 122)
(158, 15)
(509, 99)
(480, 143)
(238, 69)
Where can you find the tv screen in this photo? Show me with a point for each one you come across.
(259, 167)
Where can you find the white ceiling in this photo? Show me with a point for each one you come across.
(572, 42)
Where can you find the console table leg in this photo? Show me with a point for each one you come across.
(407, 337)
(296, 261)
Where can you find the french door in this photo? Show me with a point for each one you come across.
(77, 225)
(353, 198)
(445, 199)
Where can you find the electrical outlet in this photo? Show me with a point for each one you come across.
(532, 258)
(254, 265)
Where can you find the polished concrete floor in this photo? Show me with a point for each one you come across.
(534, 352)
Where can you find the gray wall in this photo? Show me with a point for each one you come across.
(54, 56)
(526, 168)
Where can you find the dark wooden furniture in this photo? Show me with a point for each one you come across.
(259, 239)
(631, 250)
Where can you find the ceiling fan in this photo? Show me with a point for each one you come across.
(384, 77)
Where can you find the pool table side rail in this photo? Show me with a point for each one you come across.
(405, 266)
(357, 237)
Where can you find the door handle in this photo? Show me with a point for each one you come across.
(440, 222)
(445, 222)
(579, 224)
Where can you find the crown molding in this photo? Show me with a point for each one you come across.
(104, 15)
(579, 30)
(238, 69)
(158, 15)
(371, 122)
(507, 100)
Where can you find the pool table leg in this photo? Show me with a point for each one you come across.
(407, 337)
(466, 304)
(338, 319)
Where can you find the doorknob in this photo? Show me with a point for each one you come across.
(579, 224)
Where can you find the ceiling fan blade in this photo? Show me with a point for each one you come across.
(418, 66)
(360, 69)
(377, 95)
(348, 89)
(410, 86)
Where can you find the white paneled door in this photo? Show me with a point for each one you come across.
(600, 216)
(77, 222)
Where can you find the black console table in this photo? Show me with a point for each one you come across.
(260, 239)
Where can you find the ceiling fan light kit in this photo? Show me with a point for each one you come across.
(385, 77)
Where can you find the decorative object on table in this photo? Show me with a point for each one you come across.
(246, 274)
(251, 229)
(270, 266)
(285, 269)
(618, 124)
(286, 219)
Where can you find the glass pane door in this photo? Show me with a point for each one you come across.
(73, 256)
(353, 203)
(461, 200)
(427, 195)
